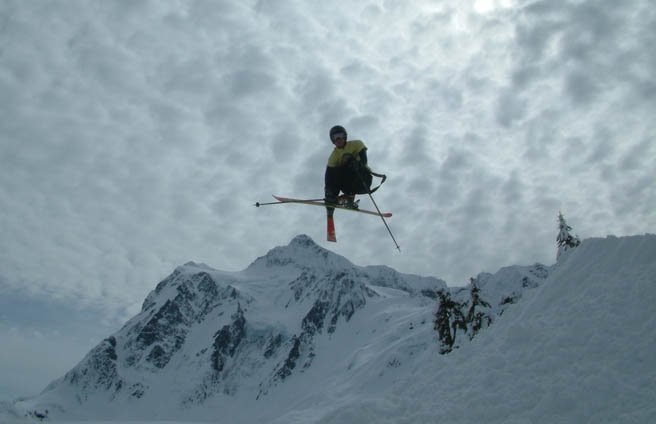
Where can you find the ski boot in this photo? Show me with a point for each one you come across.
(348, 201)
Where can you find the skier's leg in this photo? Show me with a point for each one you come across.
(330, 198)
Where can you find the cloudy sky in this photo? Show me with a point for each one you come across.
(137, 135)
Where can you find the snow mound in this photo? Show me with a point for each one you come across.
(580, 348)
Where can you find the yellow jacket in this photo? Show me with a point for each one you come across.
(339, 157)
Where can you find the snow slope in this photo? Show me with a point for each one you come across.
(574, 342)
(579, 349)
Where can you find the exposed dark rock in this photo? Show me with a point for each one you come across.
(100, 370)
(290, 363)
(137, 390)
(161, 324)
(540, 271)
(158, 356)
(273, 345)
(313, 320)
(227, 340)
(508, 300)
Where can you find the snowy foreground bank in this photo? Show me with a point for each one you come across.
(578, 346)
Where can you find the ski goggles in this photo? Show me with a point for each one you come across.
(336, 136)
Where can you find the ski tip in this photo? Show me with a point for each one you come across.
(330, 234)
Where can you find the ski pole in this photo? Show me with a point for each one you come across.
(379, 212)
(384, 221)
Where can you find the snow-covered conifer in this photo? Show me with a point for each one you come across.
(448, 318)
(476, 318)
(565, 239)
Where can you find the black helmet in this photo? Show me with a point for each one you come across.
(337, 129)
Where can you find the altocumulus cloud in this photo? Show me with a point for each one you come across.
(136, 136)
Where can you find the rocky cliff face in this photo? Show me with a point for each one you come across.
(333, 296)
(218, 333)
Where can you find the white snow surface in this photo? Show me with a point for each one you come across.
(578, 345)
(579, 349)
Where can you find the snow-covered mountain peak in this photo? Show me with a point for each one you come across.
(303, 240)
(190, 282)
(301, 253)
(303, 335)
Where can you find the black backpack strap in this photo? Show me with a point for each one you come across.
(383, 178)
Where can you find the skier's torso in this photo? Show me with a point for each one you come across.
(340, 156)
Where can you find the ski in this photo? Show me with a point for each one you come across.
(315, 202)
(330, 231)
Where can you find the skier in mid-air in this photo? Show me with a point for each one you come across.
(347, 171)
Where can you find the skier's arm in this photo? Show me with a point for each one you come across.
(363, 156)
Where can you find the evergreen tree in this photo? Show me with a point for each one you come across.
(476, 318)
(565, 239)
(448, 319)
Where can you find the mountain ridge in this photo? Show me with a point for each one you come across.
(245, 331)
(302, 327)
